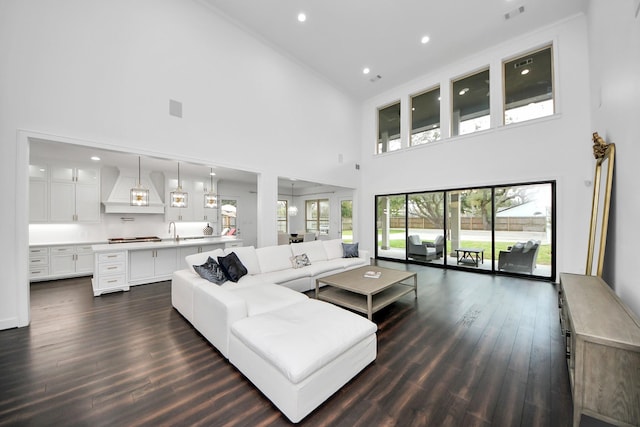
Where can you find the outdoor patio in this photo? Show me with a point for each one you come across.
(480, 237)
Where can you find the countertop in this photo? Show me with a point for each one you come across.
(169, 243)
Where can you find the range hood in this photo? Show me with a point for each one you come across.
(119, 197)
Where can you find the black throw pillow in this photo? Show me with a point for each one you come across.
(211, 271)
(232, 267)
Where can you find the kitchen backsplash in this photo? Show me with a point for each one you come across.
(114, 226)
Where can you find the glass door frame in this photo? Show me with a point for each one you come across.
(493, 259)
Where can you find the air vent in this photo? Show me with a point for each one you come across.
(523, 63)
(514, 13)
(375, 79)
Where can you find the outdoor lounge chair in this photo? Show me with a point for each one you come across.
(428, 251)
(520, 258)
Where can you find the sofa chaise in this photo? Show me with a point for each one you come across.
(296, 350)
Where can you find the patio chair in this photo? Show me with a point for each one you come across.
(520, 258)
(418, 249)
(438, 244)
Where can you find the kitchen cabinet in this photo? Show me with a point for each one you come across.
(70, 260)
(60, 261)
(38, 193)
(74, 194)
(195, 210)
(110, 274)
(151, 265)
(38, 263)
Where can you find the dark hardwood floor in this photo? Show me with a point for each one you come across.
(472, 350)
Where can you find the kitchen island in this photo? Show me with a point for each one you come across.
(121, 265)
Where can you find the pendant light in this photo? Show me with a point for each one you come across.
(210, 197)
(139, 194)
(293, 210)
(179, 198)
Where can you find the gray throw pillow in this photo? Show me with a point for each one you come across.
(232, 266)
(211, 271)
(350, 250)
(300, 261)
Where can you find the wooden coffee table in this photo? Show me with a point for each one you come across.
(352, 290)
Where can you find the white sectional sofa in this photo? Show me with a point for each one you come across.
(298, 351)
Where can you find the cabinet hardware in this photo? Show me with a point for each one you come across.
(111, 268)
(36, 272)
(112, 256)
(112, 281)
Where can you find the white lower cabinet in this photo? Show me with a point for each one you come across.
(60, 261)
(151, 265)
(110, 274)
(38, 263)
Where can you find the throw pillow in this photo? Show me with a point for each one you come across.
(232, 267)
(300, 261)
(211, 271)
(350, 250)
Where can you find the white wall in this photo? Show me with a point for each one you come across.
(614, 51)
(103, 73)
(554, 148)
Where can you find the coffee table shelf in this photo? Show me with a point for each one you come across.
(352, 290)
(358, 302)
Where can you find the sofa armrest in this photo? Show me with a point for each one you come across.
(215, 309)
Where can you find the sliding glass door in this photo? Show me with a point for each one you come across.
(505, 229)
(391, 227)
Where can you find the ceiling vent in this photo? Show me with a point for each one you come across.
(513, 13)
(523, 63)
(375, 78)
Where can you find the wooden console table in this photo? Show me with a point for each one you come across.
(602, 338)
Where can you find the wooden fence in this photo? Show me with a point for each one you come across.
(532, 223)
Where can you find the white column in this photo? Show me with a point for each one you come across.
(267, 204)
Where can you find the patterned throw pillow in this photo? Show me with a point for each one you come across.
(350, 250)
(300, 261)
(211, 271)
(232, 266)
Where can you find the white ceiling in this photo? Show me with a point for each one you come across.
(341, 37)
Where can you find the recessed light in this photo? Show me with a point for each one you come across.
(366, 70)
(95, 158)
(302, 17)
(463, 91)
(525, 71)
(424, 39)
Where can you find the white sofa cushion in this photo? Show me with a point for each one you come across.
(247, 256)
(314, 250)
(333, 248)
(282, 276)
(267, 297)
(301, 338)
(274, 258)
(201, 258)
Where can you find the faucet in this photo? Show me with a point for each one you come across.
(174, 230)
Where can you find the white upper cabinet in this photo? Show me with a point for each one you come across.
(195, 210)
(74, 194)
(38, 193)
